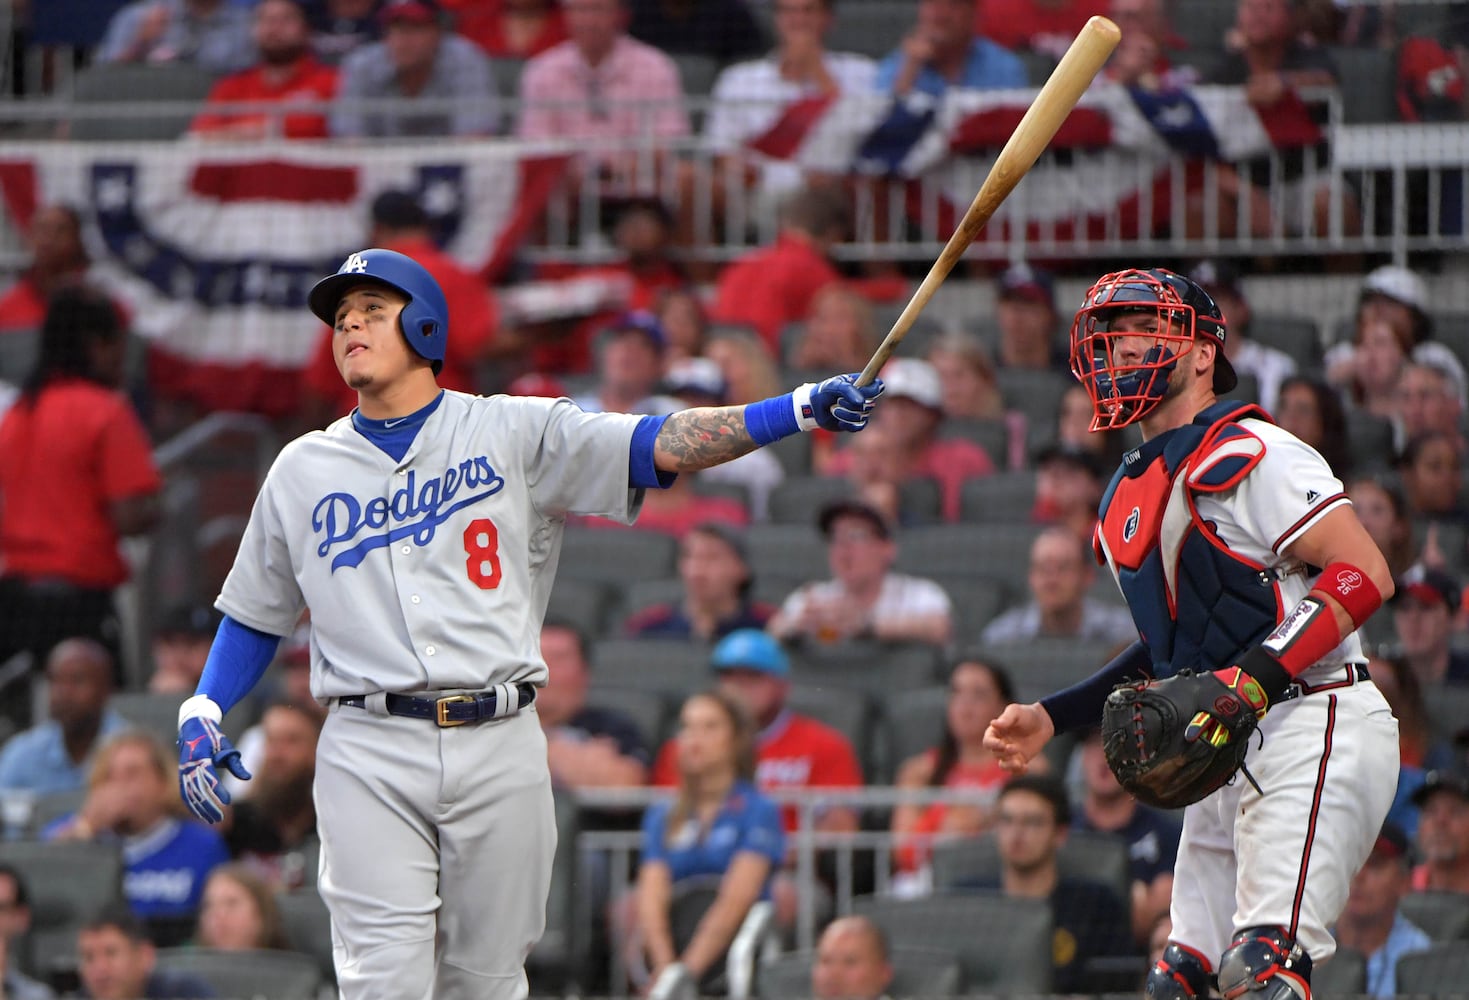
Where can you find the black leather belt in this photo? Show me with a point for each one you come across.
(455, 709)
(1358, 674)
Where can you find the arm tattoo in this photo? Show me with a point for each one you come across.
(695, 439)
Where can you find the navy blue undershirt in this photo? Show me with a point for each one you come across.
(395, 436)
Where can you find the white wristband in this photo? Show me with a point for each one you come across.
(200, 706)
(805, 412)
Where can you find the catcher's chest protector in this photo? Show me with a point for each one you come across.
(1196, 604)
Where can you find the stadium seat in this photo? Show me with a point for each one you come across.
(773, 588)
(1452, 329)
(18, 352)
(696, 72)
(110, 83)
(1441, 970)
(848, 712)
(247, 975)
(913, 721)
(555, 956)
(308, 927)
(917, 972)
(1037, 394)
(1371, 440)
(797, 500)
(67, 882)
(985, 551)
(1003, 945)
(991, 435)
(1247, 390)
(876, 669)
(1448, 708)
(1443, 916)
(1202, 23)
(606, 555)
(506, 74)
(648, 711)
(582, 603)
(870, 27)
(1096, 857)
(1298, 336)
(1004, 496)
(789, 550)
(1040, 666)
(976, 603)
(642, 595)
(51, 807)
(794, 453)
(1367, 84)
(669, 667)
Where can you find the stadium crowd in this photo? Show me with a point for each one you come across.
(808, 618)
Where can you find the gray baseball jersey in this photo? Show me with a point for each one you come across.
(432, 572)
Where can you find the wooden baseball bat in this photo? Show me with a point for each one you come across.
(1082, 61)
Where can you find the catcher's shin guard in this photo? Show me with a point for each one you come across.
(1181, 974)
(1268, 961)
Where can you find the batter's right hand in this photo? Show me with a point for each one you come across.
(1018, 735)
(202, 748)
(840, 404)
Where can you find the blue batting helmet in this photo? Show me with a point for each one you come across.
(425, 319)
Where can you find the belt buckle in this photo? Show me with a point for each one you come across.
(442, 708)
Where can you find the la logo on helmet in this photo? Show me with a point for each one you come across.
(356, 264)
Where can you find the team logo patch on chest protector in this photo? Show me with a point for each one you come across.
(414, 511)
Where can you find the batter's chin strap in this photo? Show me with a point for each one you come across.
(1310, 630)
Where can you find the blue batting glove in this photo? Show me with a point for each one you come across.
(839, 404)
(202, 748)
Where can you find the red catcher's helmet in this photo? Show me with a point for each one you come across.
(1124, 393)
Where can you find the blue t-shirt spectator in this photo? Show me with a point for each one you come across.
(747, 821)
(36, 759)
(1152, 842)
(989, 67)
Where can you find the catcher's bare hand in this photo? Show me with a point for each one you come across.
(1018, 735)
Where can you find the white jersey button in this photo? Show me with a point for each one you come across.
(402, 472)
(406, 549)
(416, 599)
(429, 650)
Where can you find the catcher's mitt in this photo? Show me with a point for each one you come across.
(1174, 741)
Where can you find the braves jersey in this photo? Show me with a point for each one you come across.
(1195, 527)
(431, 572)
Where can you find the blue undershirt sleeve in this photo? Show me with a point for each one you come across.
(237, 660)
(642, 473)
(1080, 705)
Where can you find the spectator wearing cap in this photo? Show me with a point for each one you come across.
(180, 646)
(1392, 327)
(1443, 832)
(700, 382)
(287, 73)
(418, 60)
(1270, 366)
(776, 285)
(211, 34)
(714, 568)
(602, 85)
(630, 362)
(1068, 490)
(791, 750)
(1424, 607)
(1372, 923)
(341, 27)
(1026, 317)
(864, 599)
(913, 410)
(511, 29)
(588, 746)
(399, 222)
(1061, 574)
(947, 48)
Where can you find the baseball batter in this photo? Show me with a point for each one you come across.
(422, 532)
(1241, 559)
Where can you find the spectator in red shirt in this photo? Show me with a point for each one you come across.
(1044, 26)
(773, 286)
(287, 73)
(76, 476)
(793, 751)
(510, 29)
(400, 223)
(913, 408)
(57, 258)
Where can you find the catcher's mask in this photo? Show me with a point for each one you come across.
(1126, 384)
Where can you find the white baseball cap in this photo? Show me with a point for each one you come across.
(914, 379)
(1398, 284)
